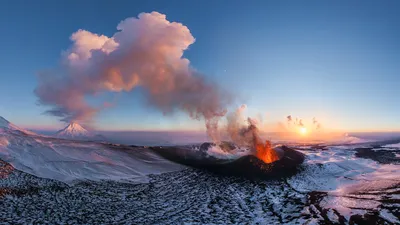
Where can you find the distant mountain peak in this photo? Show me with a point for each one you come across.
(74, 130)
(74, 126)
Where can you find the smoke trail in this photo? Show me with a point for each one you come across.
(289, 119)
(316, 124)
(296, 122)
(235, 124)
(300, 123)
(146, 51)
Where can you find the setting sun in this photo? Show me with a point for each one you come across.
(303, 130)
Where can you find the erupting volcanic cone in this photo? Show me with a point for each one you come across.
(249, 166)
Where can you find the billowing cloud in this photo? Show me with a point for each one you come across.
(146, 51)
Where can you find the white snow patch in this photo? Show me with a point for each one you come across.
(339, 173)
(339, 170)
(389, 216)
(392, 146)
(384, 176)
(332, 216)
(217, 152)
(67, 160)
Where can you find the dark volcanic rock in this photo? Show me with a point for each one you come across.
(205, 146)
(191, 196)
(367, 219)
(381, 156)
(247, 166)
(251, 167)
(186, 197)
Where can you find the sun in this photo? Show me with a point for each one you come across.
(303, 130)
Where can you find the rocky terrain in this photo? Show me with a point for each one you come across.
(45, 180)
(192, 196)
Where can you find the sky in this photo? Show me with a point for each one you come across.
(338, 61)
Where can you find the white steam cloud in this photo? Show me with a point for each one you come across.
(146, 51)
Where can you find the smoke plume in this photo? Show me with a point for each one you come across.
(235, 124)
(146, 51)
(244, 133)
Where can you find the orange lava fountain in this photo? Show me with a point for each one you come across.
(265, 152)
(249, 136)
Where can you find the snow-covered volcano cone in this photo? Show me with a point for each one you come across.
(74, 131)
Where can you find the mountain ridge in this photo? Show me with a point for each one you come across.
(10, 126)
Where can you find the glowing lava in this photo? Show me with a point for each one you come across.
(265, 152)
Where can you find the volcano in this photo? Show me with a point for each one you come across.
(5, 124)
(75, 131)
(249, 166)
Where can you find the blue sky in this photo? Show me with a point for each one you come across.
(338, 61)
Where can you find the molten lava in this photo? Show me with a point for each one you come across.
(250, 136)
(265, 152)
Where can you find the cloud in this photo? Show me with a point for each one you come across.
(146, 51)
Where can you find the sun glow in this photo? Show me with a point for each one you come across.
(303, 130)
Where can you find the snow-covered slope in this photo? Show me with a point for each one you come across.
(351, 180)
(69, 160)
(337, 185)
(5, 125)
(339, 182)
